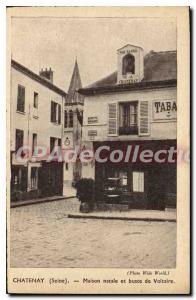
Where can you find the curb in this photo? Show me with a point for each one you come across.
(121, 218)
(38, 201)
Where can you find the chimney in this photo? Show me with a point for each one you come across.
(47, 74)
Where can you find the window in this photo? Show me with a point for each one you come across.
(55, 112)
(70, 118)
(59, 114)
(59, 142)
(128, 118)
(123, 178)
(21, 98)
(128, 64)
(54, 142)
(34, 177)
(19, 139)
(16, 176)
(66, 166)
(65, 119)
(35, 100)
(138, 181)
(34, 143)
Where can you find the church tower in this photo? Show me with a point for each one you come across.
(73, 119)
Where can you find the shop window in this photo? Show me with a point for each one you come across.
(21, 98)
(34, 177)
(16, 176)
(138, 181)
(123, 178)
(128, 64)
(35, 100)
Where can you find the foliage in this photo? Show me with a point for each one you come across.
(85, 190)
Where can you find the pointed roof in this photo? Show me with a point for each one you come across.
(75, 84)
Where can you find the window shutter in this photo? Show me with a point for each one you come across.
(112, 119)
(59, 114)
(52, 112)
(143, 118)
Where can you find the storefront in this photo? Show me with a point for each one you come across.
(141, 184)
(131, 111)
(50, 180)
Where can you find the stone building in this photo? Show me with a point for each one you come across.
(36, 110)
(134, 109)
(73, 119)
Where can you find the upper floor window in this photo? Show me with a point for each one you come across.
(128, 64)
(21, 98)
(55, 112)
(65, 119)
(34, 143)
(19, 138)
(71, 118)
(128, 118)
(35, 100)
(54, 142)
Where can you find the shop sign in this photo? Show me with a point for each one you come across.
(92, 120)
(92, 132)
(129, 78)
(164, 110)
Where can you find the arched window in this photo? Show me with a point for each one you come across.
(70, 118)
(128, 65)
(65, 119)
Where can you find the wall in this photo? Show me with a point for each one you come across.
(24, 121)
(97, 106)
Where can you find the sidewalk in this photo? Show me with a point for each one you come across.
(38, 200)
(132, 215)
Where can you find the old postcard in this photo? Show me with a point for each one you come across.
(98, 124)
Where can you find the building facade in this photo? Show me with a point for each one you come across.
(134, 110)
(36, 120)
(72, 138)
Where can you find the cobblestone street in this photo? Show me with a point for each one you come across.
(43, 236)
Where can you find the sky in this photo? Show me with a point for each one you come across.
(56, 42)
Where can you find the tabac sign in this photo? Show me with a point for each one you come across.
(164, 110)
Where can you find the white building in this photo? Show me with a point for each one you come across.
(36, 107)
(135, 106)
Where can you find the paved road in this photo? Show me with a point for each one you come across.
(42, 236)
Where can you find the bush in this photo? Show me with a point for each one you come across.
(85, 190)
(16, 195)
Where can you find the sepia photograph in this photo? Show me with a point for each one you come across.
(93, 144)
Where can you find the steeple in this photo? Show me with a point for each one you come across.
(75, 84)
